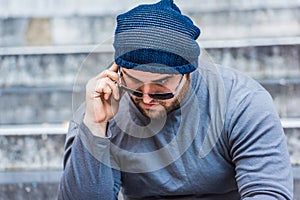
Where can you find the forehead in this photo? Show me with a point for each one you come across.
(147, 76)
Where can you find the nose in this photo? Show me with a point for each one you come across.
(146, 98)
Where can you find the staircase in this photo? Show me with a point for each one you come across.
(48, 50)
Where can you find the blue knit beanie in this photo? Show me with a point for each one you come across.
(156, 38)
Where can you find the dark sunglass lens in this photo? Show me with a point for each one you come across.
(162, 96)
(133, 92)
(138, 94)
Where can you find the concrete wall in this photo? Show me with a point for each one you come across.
(78, 22)
(41, 85)
(50, 8)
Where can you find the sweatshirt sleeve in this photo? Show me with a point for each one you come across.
(259, 150)
(84, 176)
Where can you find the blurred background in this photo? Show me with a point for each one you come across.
(43, 45)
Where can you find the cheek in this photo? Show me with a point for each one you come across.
(166, 104)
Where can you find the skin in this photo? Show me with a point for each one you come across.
(154, 108)
(103, 95)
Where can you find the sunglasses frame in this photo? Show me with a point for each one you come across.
(139, 94)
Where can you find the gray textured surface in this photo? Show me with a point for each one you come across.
(36, 106)
(12, 31)
(278, 61)
(296, 189)
(41, 85)
(293, 141)
(285, 94)
(48, 69)
(45, 151)
(93, 7)
(54, 104)
(92, 24)
(28, 191)
(31, 152)
(82, 30)
(261, 62)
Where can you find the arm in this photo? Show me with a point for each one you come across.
(84, 176)
(87, 147)
(259, 150)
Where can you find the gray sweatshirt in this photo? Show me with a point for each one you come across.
(224, 142)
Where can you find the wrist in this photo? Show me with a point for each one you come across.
(97, 129)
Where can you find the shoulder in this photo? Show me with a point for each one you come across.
(233, 92)
(234, 85)
(237, 80)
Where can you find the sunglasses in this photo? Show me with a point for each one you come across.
(139, 94)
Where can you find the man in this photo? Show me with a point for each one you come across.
(162, 124)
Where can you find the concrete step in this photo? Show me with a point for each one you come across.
(37, 105)
(32, 147)
(41, 146)
(62, 65)
(44, 185)
(56, 104)
(39, 81)
(74, 26)
(20, 185)
(285, 94)
(28, 191)
(293, 141)
(32, 159)
(35, 8)
(48, 66)
(233, 24)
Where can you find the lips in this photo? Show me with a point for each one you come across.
(148, 106)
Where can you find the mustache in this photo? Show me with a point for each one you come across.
(140, 100)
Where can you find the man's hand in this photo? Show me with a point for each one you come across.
(102, 97)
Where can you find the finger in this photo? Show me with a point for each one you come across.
(114, 67)
(102, 89)
(115, 89)
(98, 105)
(110, 74)
(107, 92)
(111, 88)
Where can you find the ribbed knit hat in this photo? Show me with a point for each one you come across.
(156, 38)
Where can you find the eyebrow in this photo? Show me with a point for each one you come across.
(136, 79)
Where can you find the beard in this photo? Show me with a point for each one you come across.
(162, 107)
